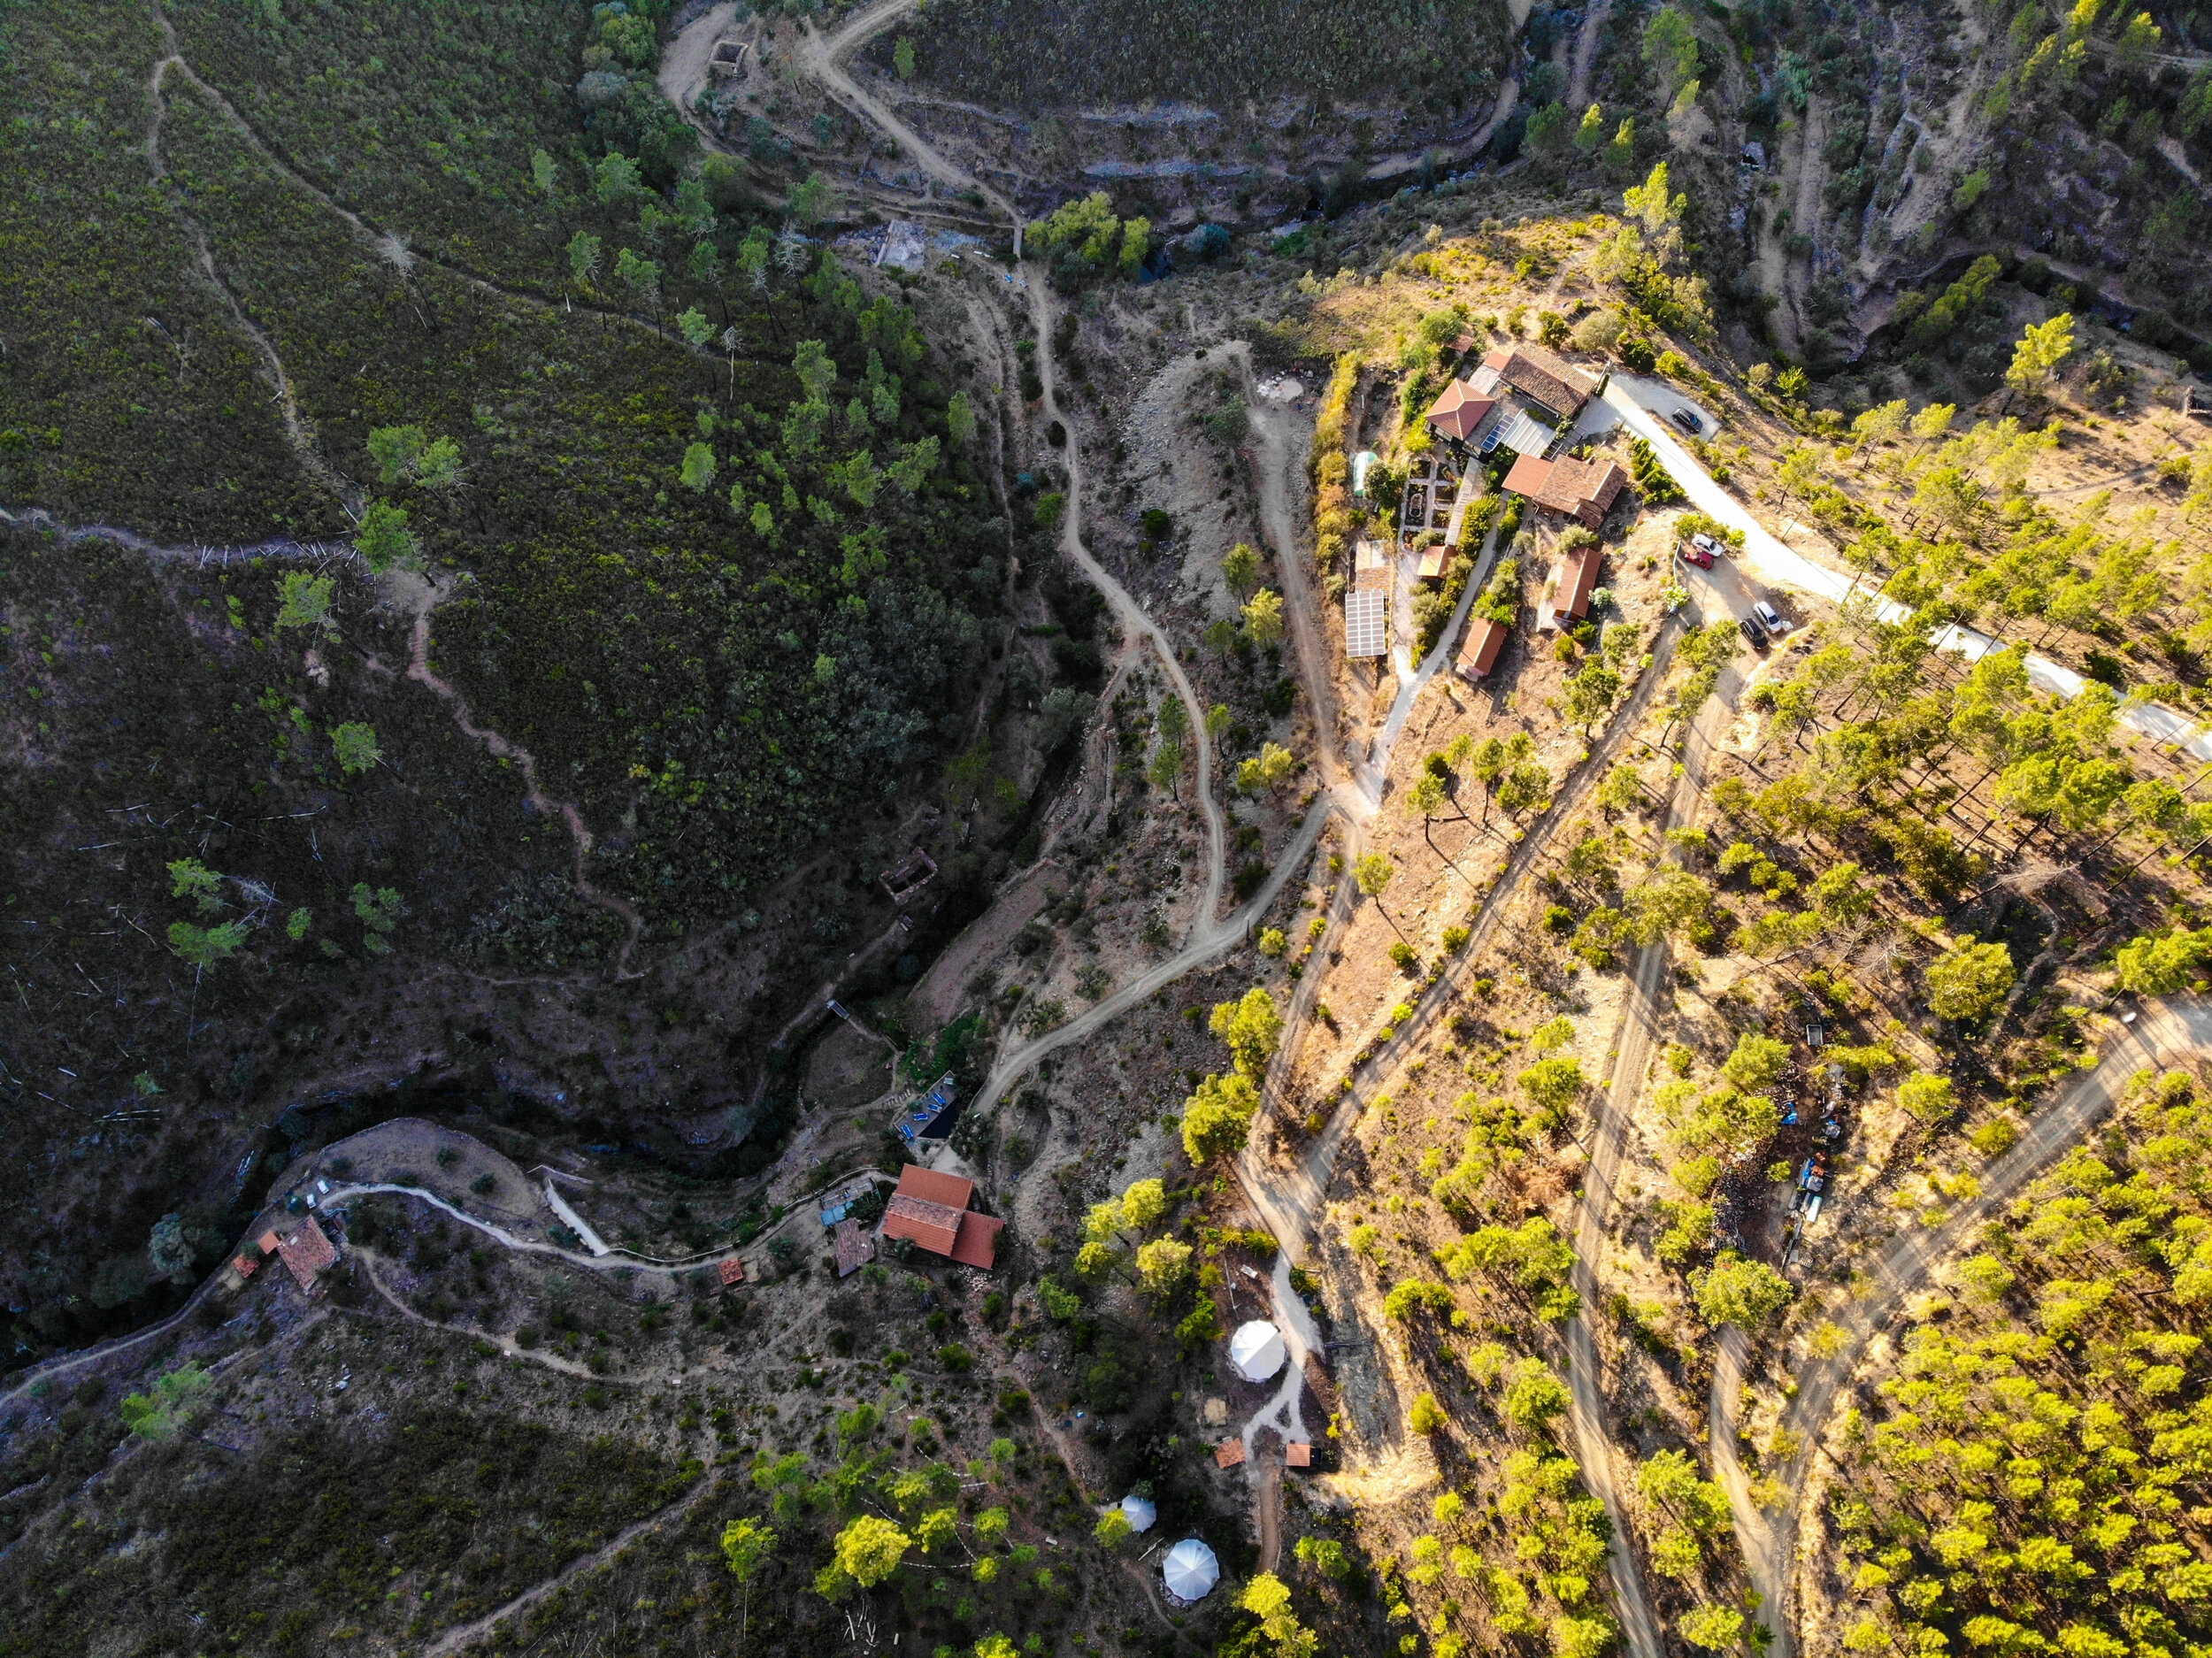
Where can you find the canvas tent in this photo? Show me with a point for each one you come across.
(1257, 1350)
(1140, 1513)
(1190, 1570)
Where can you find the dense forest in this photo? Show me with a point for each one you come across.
(2032, 1478)
(635, 476)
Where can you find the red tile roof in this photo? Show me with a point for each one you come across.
(1459, 411)
(1485, 640)
(307, 1252)
(1297, 1455)
(932, 1188)
(1535, 372)
(269, 1241)
(935, 1226)
(1577, 575)
(732, 1270)
(1229, 1453)
(977, 1243)
(932, 1211)
(1584, 490)
(246, 1265)
(1529, 476)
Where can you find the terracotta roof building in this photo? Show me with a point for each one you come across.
(1297, 1454)
(1435, 560)
(308, 1252)
(1485, 640)
(1229, 1453)
(731, 1271)
(1459, 411)
(1583, 490)
(1578, 576)
(1537, 376)
(932, 1211)
(1528, 476)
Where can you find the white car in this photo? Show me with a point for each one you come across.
(1705, 543)
(1769, 618)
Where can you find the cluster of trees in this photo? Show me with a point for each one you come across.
(1217, 1116)
(1086, 240)
(1541, 1518)
(1687, 1526)
(1644, 258)
(2024, 1483)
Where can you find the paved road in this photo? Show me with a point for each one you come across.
(1634, 400)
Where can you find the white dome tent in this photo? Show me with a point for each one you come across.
(1257, 1350)
(1190, 1570)
(1140, 1513)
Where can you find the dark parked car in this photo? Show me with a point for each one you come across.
(1687, 421)
(1752, 632)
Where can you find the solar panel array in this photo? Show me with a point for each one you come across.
(1527, 436)
(1364, 610)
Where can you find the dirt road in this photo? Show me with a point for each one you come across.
(1586, 50)
(820, 56)
(464, 1635)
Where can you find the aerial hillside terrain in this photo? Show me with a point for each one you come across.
(1255, 829)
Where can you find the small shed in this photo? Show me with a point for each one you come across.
(732, 1272)
(1577, 579)
(1297, 1454)
(855, 1246)
(1229, 1453)
(1485, 640)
